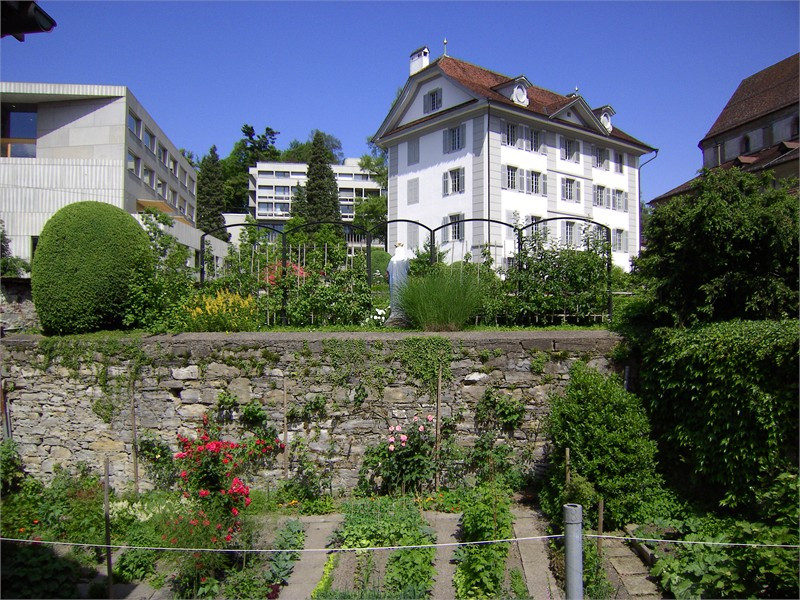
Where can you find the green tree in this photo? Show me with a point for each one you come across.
(727, 250)
(10, 265)
(375, 162)
(210, 195)
(248, 151)
(300, 152)
(318, 200)
(369, 212)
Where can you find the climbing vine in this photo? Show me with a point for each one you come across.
(422, 357)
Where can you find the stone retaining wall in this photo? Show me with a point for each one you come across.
(67, 402)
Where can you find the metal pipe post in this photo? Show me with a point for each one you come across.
(573, 550)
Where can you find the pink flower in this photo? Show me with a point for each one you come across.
(422, 427)
(416, 418)
(430, 418)
(391, 439)
(403, 444)
(403, 438)
(391, 447)
(398, 428)
(391, 427)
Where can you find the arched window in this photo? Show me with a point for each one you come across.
(745, 145)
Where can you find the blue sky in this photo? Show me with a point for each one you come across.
(202, 69)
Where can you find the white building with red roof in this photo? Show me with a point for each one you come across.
(464, 142)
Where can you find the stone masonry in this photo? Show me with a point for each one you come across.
(71, 400)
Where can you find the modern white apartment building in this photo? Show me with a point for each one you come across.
(273, 184)
(64, 143)
(465, 142)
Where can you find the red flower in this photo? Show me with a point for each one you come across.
(235, 511)
(228, 538)
(203, 493)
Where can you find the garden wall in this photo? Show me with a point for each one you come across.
(70, 399)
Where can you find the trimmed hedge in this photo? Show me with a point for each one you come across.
(88, 253)
(723, 398)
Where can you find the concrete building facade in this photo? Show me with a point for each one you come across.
(64, 143)
(465, 142)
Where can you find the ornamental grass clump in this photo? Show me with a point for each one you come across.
(444, 299)
(221, 311)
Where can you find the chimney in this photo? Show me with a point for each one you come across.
(419, 60)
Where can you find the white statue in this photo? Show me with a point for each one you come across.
(398, 273)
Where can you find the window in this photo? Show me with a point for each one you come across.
(173, 166)
(149, 140)
(536, 183)
(161, 188)
(149, 176)
(190, 211)
(510, 135)
(282, 174)
(163, 155)
(433, 100)
(282, 190)
(619, 240)
(453, 182)
(267, 173)
(173, 197)
(620, 201)
(745, 145)
(412, 191)
(413, 152)
(534, 221)
(568, 233)
(601, 158)
(134, 163)
(183, 177)
(455, 231)
(570, 149)
(511, 178)
(18, 130)
(570, 190)
(534, 140)
(182, 206)
(602, 196)
(135, 124)
(620, 162)
(453, 138)
(191, 185)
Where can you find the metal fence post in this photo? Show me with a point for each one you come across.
(573, 550)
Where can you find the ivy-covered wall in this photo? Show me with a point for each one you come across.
(69, 400)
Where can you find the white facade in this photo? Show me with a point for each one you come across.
(64, 143)
(466, 143)
(273, 184)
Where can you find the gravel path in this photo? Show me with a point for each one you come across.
(445, 525)
(308, 570)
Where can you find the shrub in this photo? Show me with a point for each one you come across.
(724, 397)
(608, 434)
(441, 300)
(88, 255)
(221, 311)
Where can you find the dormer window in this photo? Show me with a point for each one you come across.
(605, 119)
(520, 95)
(745, 145)
(433, 100)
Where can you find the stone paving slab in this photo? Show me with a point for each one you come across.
(629, 565)
(535, 562)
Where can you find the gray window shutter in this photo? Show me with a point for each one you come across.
(594, 154)
(563, 148)
(504, 177)
(577, 191)
(563, 189)
(607, 199)
(624, 241)
(625, 202)
(577, 154)
(426, 103)
(543, 142)
(595, 189)
(445, 140)
(463, 136)
(445, 230)
(518, 141)
(544, 184)
(445, 183)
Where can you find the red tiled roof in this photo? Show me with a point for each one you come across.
(767, 91)
(481, 82)
(766, 158)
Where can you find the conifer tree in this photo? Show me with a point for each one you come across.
(318, 200)
(210, 195)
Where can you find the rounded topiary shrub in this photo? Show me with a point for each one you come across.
(88, 253)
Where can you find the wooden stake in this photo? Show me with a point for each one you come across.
(285, 432)
(135, 438)
(566, 462)
(109, 572)
(438, 427)
(600, 528)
